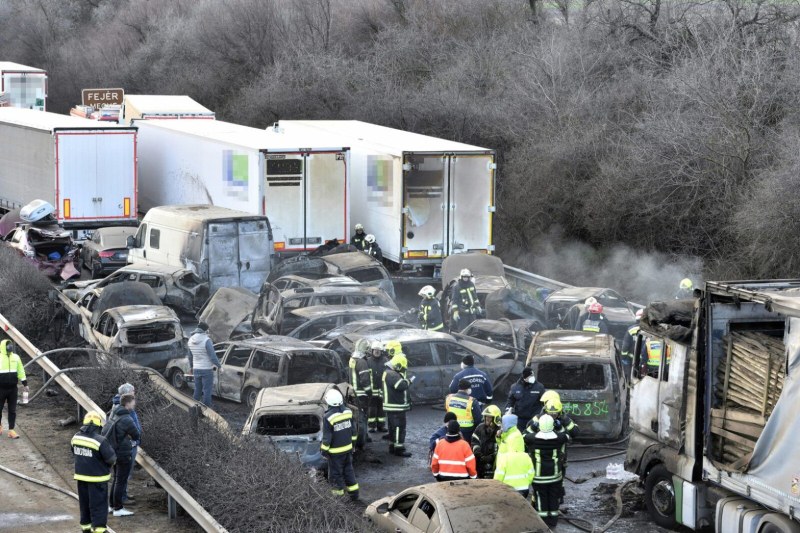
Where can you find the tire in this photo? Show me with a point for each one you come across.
(177, 379)
(94, 270)
(249, 396)
(659, 497)
(775, 523)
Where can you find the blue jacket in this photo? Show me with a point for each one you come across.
(481, 384)
(134, 416)
(438, 435)
(525, 399)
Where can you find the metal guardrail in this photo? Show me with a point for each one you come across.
(175, 491)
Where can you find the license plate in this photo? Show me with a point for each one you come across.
(122, 256)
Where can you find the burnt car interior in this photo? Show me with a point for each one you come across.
(288, 424)
(572, 376)
(365, 275)
(150, 333)
(312, 367)
(44, 245)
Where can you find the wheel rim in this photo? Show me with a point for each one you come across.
(177, 379)
(251, 397)
(663, 497)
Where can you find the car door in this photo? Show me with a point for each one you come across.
(423, 364)
(399, 513)
(263, 370)
(155, 282)
(232, 373)
(316, 327)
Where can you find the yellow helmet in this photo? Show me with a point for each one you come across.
(549, 395)
(686, 284)
(399, 361)
(92, 419)
(394, 348)
(494, 412)
(553, 407)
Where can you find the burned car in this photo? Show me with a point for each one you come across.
(294, 281)
(176, 287)
(488, 274)
(586, 370)
(273, 303)
(228, 314)
(311, 322)
(106, 251)
(468, 506)
(504, 334)
(561, 311)
(290, 417)
(434, 358)
(249, 365)
(363, 327)
(44, 243)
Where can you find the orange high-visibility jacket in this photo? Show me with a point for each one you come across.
(453, 459)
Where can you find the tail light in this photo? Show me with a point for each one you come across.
(106, 253)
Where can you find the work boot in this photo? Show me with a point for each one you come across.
(12, 434)
(372, 429)
(401, 452)
(382, 428)
(391, 449)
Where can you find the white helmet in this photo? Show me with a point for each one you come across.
(360, 349)
(589, 301)
(427, 291)
(359, 227)
(334, 398)
(370, 238)
(465, 272)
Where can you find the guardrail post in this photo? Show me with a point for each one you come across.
(172, 507)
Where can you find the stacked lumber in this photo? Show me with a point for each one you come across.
(750, 381)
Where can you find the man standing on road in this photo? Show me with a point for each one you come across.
(440, 433)
(12, 372)
(338, 437)
(358, 239)
(377, 365)
(464, 304)
(478, 379)
(361, 379)
(524, 400)
(396, 401)
(453, 458)
(484, 441)
(466, 408)
(120, 432)
(203, 363)
(430, 311)
(127, 388)
(94, 457)
(544, 448)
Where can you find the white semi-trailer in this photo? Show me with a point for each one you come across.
(22, 86)
(85, 168)
(161, 106)
(299, 182)
(422, 197)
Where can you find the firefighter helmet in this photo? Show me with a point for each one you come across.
(595, 308)
(333, 397)
(427, 291)
(494, 412)
(92, 419)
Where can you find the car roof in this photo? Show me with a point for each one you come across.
(277, 342)
(292, 394)
(133, 314)
(574, 293)
(467, 493)
(351, 260)
(572, 344)
(355, 288)
(315, 282)
(316, 311)
(405, 335)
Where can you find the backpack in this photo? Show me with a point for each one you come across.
(109, 429)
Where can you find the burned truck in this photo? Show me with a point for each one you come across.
(714, 408)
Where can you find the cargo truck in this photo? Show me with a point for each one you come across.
(85, 168)
(713, 408)
(300, 182)
(23, 87)
(422, 197)
(161, 106)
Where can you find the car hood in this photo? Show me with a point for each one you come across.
(224, 311)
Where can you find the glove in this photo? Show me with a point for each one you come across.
(476, 451)
(557, 425)
(456, 316)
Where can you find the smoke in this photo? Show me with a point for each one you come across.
(640, 277)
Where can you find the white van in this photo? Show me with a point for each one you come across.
(224, 247)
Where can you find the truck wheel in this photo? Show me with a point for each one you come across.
(177, 379)
(775, 523)
(660, 497)
(250, 395)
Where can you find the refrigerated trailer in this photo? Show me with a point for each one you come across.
(22, 86)
(299, 182)
(422, 197)
(161, 106)
(85, 168)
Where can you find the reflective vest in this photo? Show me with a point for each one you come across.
(462, 407)
(654, 350)
(591, 325)
(453, 459)
(338, 431)
(11, 368)
(93, 456)
(430, 314)
(515, 469)
(511, 441)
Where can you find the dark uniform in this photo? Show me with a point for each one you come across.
(372, 250)
(358, 239)
(478, 379)
(377, 418)
(563, 424)
(595, 323)
(396, 404)
(484, 446)
(548, 478)
(94, 457)
(628, 345)
(361, 381)
(464, 303)
(338, 437)
(524, 399)
(430, 314)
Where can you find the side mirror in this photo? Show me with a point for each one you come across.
(130, 242)
(383, 508)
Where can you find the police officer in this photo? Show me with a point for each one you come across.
(338, 437)
(524, 399)
(377, 365)
(94, 457)
(12, 372)
(629, 344)
(358, 239)
(464, 304)
(371, 247)
(430, 311)
(396, 401)
(466, 408)
(361, 379)
(479, 380)
(594, 322)
(654, 350)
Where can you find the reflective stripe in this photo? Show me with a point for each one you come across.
(352, 488)
(453, 474)
(86, 442)
(456, 463)
(462, 407)
(340, 417)
(337, 492)
(92, 479)
(337, 450)
(436, 328)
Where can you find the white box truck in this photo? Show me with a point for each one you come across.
(299, 182)
(22, 86)
(85, 168)
(422, 197)
(161, 106)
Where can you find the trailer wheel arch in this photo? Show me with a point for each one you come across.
(776, 523)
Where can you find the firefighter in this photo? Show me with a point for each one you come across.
(594, 322)
(554, 408)
(654, 349)
(515, 469)
(685, 289)
(525, 398)
(466, 408)
(478, 379)
(544, 447)
(361, 379)
(371, 247)
(464, 304)
(509, 437)
(338, 438)
(377, 365)
(484, 441)
(395, 398)
(94, 456)
(358, 239)
(629, 344)
(430, 311)
(453, 458)
(12, 372)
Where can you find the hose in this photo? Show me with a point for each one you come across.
(44, 484)
(606, 456)
(576, 521)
